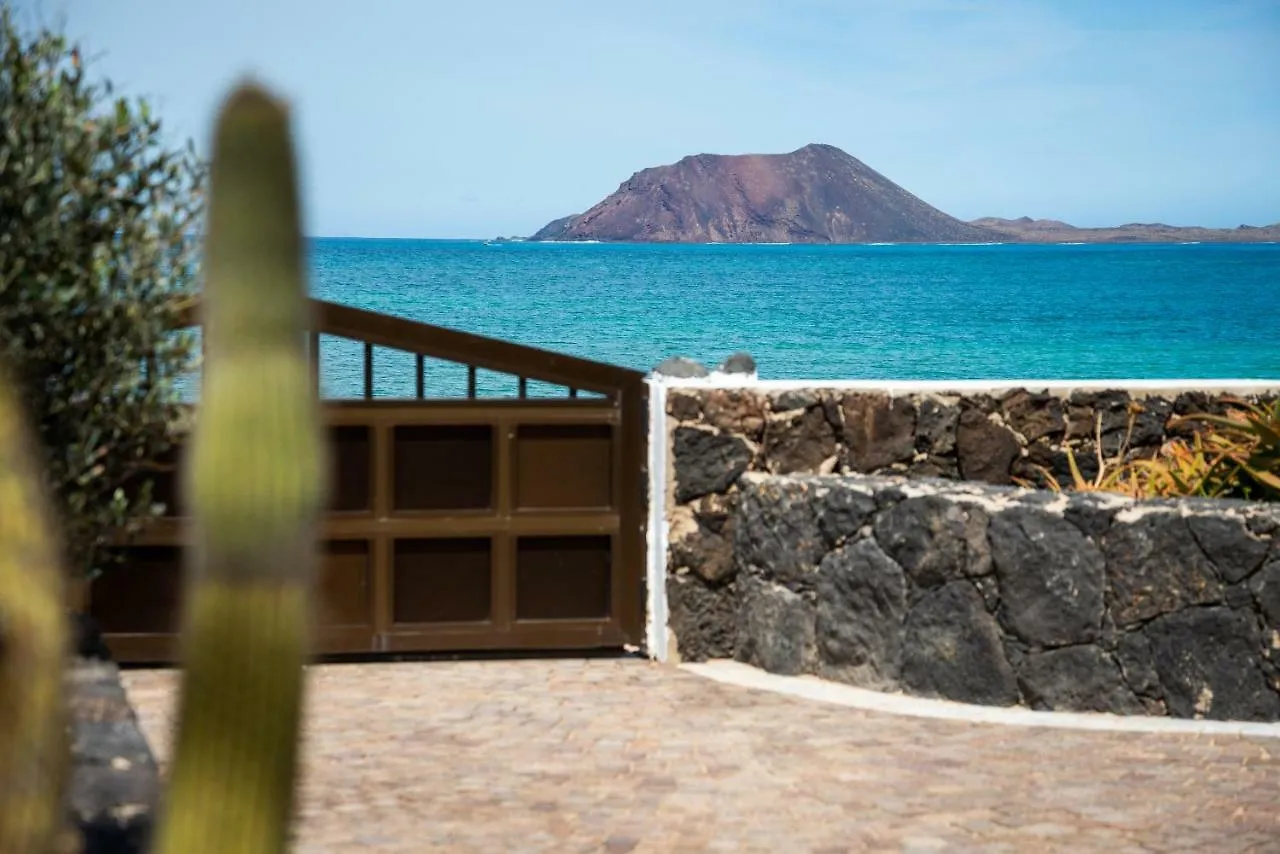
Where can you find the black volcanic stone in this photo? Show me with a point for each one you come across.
(842, 512)
(936, 426)
(706, 461)
(798, 443)
(1035, 416)
(1137, 664)
(1229, 545)
(798, 398)
(1090, 514)
(952, 649)
(1148, 427)
(986, 450)
(1051, 578)
(1266, 589)
(934, 539)
(87, 639)
(878, 430)
(1206, 659)
(1076, 679)
(777, 532)
(706, 551)
(775, 628)
(862, 601)
(739, 363)
(1163, 568)
(681, 368)
(114, 786)
(703, 617)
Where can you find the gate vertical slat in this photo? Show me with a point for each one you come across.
(368, 370)
(313, 353)
(503, 567)
(629, 566)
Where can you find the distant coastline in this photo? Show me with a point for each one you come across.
(1028, 230)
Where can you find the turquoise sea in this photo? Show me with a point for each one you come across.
(828, 312)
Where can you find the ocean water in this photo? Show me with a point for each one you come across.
(826, 312)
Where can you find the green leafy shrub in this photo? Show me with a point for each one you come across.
(96, 258)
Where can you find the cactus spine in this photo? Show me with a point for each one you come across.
(33, 649)
(256, 481)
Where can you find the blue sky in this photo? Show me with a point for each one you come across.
(419, 118)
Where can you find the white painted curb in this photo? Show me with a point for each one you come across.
(992, 386)
(812, 688)
(656, 547)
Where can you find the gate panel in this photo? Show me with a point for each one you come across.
(454, 524)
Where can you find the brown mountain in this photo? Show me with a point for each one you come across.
(820, 194)
(816, 194)
(1028, 230)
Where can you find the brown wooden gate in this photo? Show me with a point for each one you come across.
(458, 523)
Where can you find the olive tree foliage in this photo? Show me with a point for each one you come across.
(97, 259)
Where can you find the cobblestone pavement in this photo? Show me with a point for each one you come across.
(626, 755)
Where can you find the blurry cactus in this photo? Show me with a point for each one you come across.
(33, 648)
(256, 480)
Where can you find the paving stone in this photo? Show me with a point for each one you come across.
(567, 755)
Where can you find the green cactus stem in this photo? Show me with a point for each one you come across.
(256, 480)
(33, 649)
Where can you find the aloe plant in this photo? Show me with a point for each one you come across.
(256, 488)
(1236, 456)
(1114, 475)
(1248, 440)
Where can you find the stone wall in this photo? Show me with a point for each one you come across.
(716, 435)
(114, 785)
(1002, 596)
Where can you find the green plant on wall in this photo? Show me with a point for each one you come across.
(256, 473)
(96, 259)
(1246, 443)
(1236, 455)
